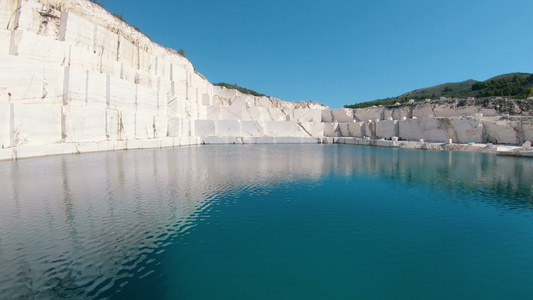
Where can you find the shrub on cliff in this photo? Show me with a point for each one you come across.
(240, 89)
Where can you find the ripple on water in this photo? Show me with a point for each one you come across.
(229, 222)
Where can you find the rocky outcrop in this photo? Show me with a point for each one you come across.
(456, 120)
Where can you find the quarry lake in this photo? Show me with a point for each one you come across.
(267, 222)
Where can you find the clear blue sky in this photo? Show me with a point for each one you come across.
(340, 52)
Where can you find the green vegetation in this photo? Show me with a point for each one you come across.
(181, 52)
(119, 16)
(240, 89)
(517, 86)
(514, 85)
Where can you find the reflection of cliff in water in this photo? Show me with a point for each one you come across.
(81, 225)
(84, 224)
(508, 178)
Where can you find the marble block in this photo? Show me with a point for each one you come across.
(38, 48)
(30, 82)
(5, 125)
(252, 128)
(36, 124)
(76, 31)
(96, 89)
(307, 115)
(465, 131)
(343, 115)
(225, 128)
(314, 129)
(387, 129)
(205, 128)
(146, 100)
(120, 94)
(75, 86)
(284, 128)
(83, 124)
(503, 131)
(144, 126)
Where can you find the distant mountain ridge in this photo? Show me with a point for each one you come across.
(513, 85)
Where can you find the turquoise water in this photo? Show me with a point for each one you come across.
(267, 222)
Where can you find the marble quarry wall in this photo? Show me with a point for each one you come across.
(431, 122)
(75, 79)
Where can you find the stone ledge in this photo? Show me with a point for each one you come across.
(213, 140)
(506, 150)
(29, 151)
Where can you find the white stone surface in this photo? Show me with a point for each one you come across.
(425, 128)
(344, 129)
(83, 123)
(7, 154)
(36, 124)
(423, 110)
(465, 131)
(402, 112)
(284, 128)
(146, 100)
(75, 86)
(28, 151)
(527, 127)
(225, 128)
(370, 113)
(160, 126)
(83, 59)
(231, 113)
(5, 124)
(275, 114)
(120, 94)
(213, 140)
(263, 140)
(38, 48)
(256, 113)
(144, 126)
(331, 130)
(307, 115)
(356, 129)
(6, 13)
(31, 82)
(447, 111)
(313, 129)
(252, 128)
(96, 89)
(327, 116)
(343, 115)
(5, 40)
(503, 132)
(124, 126)
(370, 129)
(76, 31)
(205, 128)
(387, 129)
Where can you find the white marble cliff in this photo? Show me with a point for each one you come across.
(76, 79)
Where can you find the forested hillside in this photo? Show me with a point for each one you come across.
(514, 85)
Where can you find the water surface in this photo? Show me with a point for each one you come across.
(267, 222)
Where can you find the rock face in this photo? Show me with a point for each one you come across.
(433, 122)
(74, 79)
